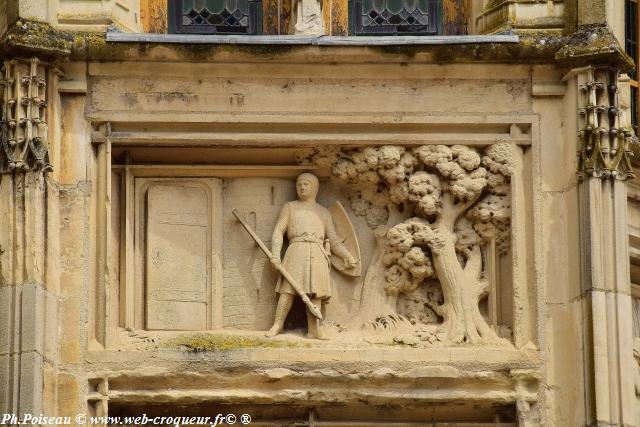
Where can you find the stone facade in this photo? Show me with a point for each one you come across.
(482, 184)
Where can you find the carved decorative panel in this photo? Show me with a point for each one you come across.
(23, 118)
(177, 261)
(605, 137)
(174, 244)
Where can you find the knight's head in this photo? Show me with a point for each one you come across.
(307, 186)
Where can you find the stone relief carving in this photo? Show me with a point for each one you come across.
(23, 126)
(177, 294)
(433, 209)
(305, 267)
(434, 223)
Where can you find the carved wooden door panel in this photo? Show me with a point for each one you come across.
(178, 257)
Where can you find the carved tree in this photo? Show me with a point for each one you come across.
(456, 201)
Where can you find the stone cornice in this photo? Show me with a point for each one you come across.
(28, 38)
(590, 44)
(594, 44)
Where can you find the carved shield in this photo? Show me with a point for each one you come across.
(346, 232)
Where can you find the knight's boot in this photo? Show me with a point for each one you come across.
(314, 329)
(282, 309)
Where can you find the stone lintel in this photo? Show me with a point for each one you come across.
(228, 377)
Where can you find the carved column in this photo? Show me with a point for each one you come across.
(604, 151)
(25, 304)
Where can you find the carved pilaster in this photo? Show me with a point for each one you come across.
(23, 123)
(24, 298)
(604, 164)
(604, 136)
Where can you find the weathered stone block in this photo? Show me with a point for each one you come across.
(51, 327)
(6, 391)
(6, 320)
(31, 383)
(32, 321)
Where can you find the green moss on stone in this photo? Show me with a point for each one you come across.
(36, 36)
(593, 43)
(211, 342)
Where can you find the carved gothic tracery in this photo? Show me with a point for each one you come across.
(23, 126)
(605, 139)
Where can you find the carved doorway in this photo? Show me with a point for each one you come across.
(182, 242)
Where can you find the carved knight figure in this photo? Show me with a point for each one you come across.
(312, 237)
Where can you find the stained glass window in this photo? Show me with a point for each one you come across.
(391, 17)
(631, 29)
(216, 16)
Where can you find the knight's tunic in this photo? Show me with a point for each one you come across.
(308, 226)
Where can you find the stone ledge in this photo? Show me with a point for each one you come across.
(27, 38)
(402, 358)
(306, 40)
(230, 382)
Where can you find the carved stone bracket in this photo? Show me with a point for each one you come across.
(23, 118)
(605, 137)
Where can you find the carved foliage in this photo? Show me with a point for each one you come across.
(453, 200)
(457, 190)
(605, 141)
(23, 127)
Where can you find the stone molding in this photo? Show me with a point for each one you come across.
(605, 139)
(594, 45)
(589, 44)
(23, 119)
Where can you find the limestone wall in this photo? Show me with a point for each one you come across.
(212, 122)
(492, 276)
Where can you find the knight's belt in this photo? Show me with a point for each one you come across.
(309, 238)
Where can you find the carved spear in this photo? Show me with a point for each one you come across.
(312, 307)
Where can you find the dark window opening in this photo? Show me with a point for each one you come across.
(631, 29)
(365, 17)
(216, 16)
(394, 17)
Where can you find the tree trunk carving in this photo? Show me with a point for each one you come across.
(456, 201)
